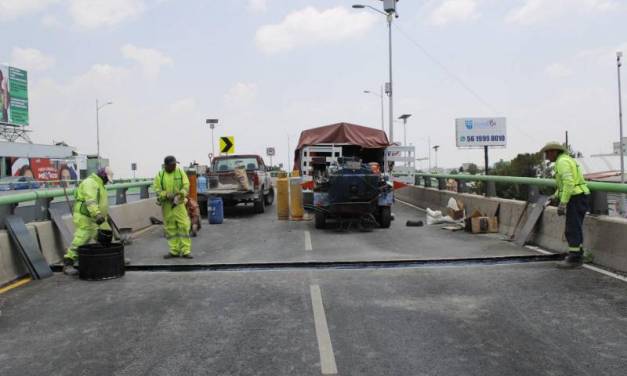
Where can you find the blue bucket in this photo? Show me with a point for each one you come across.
(215, 210)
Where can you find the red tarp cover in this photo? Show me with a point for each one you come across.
(342, 133)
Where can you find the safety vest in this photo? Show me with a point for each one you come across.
(161, 184)
(569, 178)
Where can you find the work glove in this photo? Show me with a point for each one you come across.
(561, 209)
(170, 196)
(100, 219)
(554, 199)
(176, 200)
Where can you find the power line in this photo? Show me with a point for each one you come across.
(456, 78)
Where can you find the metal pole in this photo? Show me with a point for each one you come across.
(213, 142)
(429, 146)
(390, 16)
(382, 110)
(485, 157)
(97, 133)
(405, 132)
(621, 143)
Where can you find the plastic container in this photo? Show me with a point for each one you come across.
(98, 262)
(201, 183)
(215, 210)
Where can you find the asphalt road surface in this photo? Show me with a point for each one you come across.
(471, 319)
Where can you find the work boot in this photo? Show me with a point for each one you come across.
(188, 256)
(572, 261)
(68, 267)
(169, 256)
(127, 261)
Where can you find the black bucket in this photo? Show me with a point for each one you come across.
(105, 237)
(97, 262)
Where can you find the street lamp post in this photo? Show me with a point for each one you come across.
(213, 123)
(619, 64)
(436, 147)
(404, 119)
(98, 108)
(389, 12)
(380, 95)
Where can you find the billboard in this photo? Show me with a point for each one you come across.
(13, 96)
(480, 132)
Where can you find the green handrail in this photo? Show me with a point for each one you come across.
(53, 193)
(539, 182)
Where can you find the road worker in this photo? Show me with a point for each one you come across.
(172, 187)
(90, 213)
(573, 199)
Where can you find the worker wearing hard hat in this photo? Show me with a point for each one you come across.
(172, 187)
(90, 212)
(572, 197)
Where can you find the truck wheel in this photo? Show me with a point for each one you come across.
(260, 206)
(269, 198)
(320, 220)
(385, 217)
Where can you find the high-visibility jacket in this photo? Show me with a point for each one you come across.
(91, 197)
(569, 178)
(175, 182)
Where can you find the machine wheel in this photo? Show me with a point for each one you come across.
(385, 217)
(260, 206)
(320, 220)
(269, 198)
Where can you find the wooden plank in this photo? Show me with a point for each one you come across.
(535, 210)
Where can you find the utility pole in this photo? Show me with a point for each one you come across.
(619, 64)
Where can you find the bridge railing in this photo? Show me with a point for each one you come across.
(43, 197)
(599, 190)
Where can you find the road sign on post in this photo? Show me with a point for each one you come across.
(270, 152)
(227, 145)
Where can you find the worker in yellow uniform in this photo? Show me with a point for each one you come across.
(90, 212)
(172, 187)
(573, 199)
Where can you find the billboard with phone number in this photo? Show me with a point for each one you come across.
(480, 132)
(13, 96)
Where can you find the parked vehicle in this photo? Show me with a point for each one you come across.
(240, 179)
(12, 183)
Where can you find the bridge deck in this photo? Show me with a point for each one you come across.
(517, 319)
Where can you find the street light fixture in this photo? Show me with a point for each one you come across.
(380, 95)
(389, 12)
(98, 108)
(212, 124)
(404, 119)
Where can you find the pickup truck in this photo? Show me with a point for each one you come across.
(223, 182)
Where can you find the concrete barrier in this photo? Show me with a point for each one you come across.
(135, 215)
(605, 236)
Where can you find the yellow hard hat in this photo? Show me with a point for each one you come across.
(553, 146)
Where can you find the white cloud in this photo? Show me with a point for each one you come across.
(533, 11)
(183, 106)
(241, 94)
(257, 5)
(11, 9)
(557, 70)
(31, 59)
(310, 26)
(454, 11)
(150, 60)
(97, 13)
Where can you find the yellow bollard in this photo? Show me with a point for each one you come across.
(282, 197)
(297, 211)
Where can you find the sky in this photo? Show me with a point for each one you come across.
(269, 69)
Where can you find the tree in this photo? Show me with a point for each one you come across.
(524, 165)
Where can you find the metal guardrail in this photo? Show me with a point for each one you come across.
(538, 182)
(599, 189)
(43, 197)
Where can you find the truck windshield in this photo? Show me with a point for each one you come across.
(231, 163)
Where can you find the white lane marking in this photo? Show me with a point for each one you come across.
(408, 204)
(327, 358)
(308, 246)
(587, 266)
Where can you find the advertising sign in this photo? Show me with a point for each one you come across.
(13, 96)
(480, 132)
